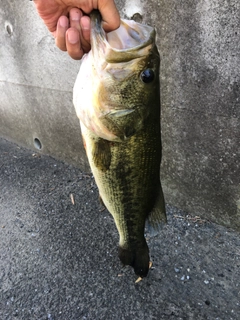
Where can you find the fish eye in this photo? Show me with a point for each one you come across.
(147, 76)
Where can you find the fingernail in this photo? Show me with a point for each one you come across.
(75, 16)
(73, 37)
(63, 21)
(85, 23)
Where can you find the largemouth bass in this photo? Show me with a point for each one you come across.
(117, 99)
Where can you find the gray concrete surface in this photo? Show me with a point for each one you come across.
(36, 81)
(200, 80)
(58, 260)
(199, 44)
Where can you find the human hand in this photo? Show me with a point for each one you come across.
(70, 25)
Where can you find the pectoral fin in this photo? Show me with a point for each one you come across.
(101, 154)
(157, 216)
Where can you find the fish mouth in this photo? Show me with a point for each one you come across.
(131, 40)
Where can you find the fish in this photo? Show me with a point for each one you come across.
(117, 99)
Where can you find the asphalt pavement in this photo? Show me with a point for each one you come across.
(58, 253)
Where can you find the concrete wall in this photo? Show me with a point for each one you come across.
(199, 44)
(36, 81)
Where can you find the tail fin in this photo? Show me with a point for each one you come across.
(137, 257)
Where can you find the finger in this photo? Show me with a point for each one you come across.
(75, 17)
(85, 32)
(73, 44)
(109, 12)
(110, 15)
(60, 34)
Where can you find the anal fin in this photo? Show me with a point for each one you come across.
(101, 201)
(157, 217)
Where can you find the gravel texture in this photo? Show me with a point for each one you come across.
(58, 253)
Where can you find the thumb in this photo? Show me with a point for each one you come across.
(110, 15)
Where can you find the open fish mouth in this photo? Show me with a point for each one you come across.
(128, 42)
(111, 88)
